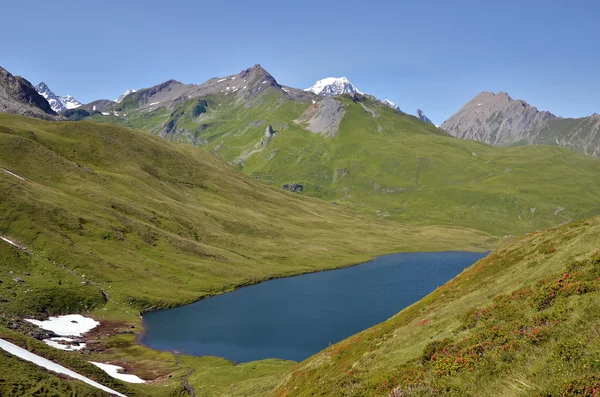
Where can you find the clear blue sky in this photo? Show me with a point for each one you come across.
(428, 54)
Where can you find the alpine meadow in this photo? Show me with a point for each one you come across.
(226, 230)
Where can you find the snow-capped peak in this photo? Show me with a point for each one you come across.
(57, 103)
(333, 86)
(123, 95)
(391, 104)
(422, 117)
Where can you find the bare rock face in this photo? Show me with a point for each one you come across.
(500, 120)
(18, 96)
(497, 119)
(323, 117)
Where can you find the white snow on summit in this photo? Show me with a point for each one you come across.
(57, 103)
(70, 102)
(333, 86)
(123, 95)
(391, 104)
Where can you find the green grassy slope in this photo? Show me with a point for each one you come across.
(116, 221)
(385, 163)
(157, 224)
(522, 322)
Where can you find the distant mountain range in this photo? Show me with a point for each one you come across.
(58, 103)
(354, 149)
(499, 119)
(496, 119)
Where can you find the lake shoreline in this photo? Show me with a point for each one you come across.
(420, 270)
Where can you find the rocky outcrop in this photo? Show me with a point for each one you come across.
(500, 120)
(323, 117)
(18, 96)
(293, 187)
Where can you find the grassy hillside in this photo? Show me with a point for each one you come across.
(522, 322)
(116, 221)
(382, 162)
(156, 224)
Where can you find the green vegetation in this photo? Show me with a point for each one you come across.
(523, 321)
(116, 221)
(384, 163)
(155, 224)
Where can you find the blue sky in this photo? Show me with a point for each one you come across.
(429, 54)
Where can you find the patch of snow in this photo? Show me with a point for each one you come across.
(51, 366)
(10, 242)
(264, 82)
(218, 81)
(113, 370)
(123, 95)
(314, 101)
(233, 78)
(56, 343)
(69, 325)
(228, 88)
(13, 174)
(94, 108)
(115, 113)
(105, 113)
(244, 87)
(153, 103)
(390, 104)
(479, 104)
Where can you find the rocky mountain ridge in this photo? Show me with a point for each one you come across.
(18, 96)
(498, 119)
(58, 103)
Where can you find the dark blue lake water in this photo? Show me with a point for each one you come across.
(294, 318)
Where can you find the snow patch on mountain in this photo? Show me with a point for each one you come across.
(57, 103)
(332, 86)
(391, 104)
(123, 95)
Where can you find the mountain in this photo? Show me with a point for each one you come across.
(58, 103)
(421, 115)
(521, 322)
(332, 86)
(500, 120)
(360, 153)
(123, 95)
(18, 96)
